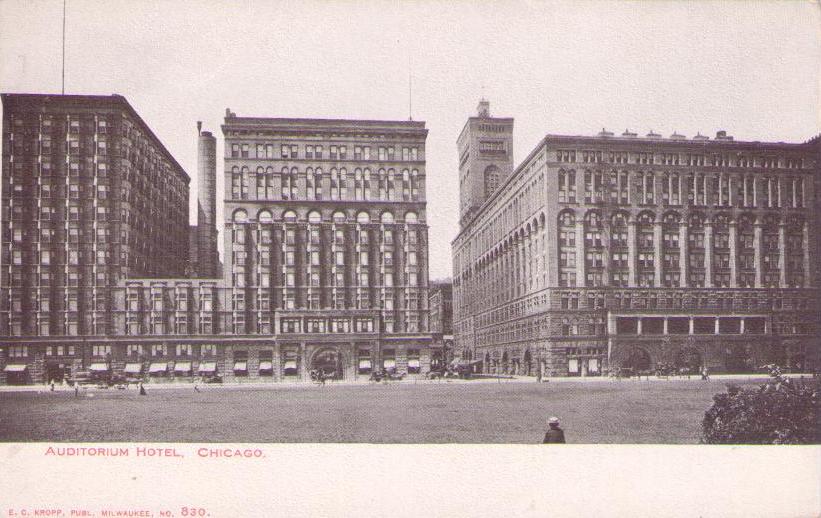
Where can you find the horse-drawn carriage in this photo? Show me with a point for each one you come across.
(386, 375)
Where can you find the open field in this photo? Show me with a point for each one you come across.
(459, 412)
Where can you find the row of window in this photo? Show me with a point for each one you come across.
(623, 188)
(317, 152)
(289, 216)
(685, 159)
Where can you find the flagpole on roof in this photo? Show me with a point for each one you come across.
(64, 50)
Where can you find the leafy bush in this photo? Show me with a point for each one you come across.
(781, 411)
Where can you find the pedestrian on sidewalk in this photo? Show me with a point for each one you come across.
(554, 434)
(705, 374)
(142, 389)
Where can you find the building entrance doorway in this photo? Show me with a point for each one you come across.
(56, 372)
(638, 360)
(328, 360)
(689, 359)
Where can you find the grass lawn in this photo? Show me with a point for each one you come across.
(460, 412)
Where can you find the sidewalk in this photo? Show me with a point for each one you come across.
(420, 381)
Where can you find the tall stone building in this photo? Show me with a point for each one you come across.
(325, 245)
(485, 148)
(90, 196)
(626, 252)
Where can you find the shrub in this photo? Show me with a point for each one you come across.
(780, 411)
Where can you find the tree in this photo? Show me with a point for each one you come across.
(780, 411)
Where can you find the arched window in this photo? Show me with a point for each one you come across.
(343, 183)
(289, 216)
(567, 219)
(492, 179)
(671, 219)
(592, 219)
(358, 191)
(314, 217)
(405, 185)
(411, 217)
(339, 217)
(366, 184)
(264, 216)
(309, 183)
(334, 184)
(363, 218)
(387, 217)
(619, 220)
(391, 185)
(240, 216)
(318, 183)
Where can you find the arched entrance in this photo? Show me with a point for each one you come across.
(638, 360)
(736, 359)
(329, 361)
(486, 366)
(504, 362)
(689, 358)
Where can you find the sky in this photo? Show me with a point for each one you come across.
(751, 68)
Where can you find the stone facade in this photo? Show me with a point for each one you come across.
(592, 237)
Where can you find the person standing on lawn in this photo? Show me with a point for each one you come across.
(554, 434)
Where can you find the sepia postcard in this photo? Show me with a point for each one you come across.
(410, 258)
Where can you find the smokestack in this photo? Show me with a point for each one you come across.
(206, 204)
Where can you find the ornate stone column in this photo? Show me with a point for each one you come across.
(757, 252)
(682, 250)
(631, 253)
(708, 254)
(657, 253)
(782, 256)
(580, 265)
(733, 255)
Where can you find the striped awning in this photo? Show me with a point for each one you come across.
(208, 367)
(98, 367)
(133, 368)
(182, 367)
(158, 367)
(16, 367)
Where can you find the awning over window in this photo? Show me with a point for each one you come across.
(158, 367)
(413, 364)
(240, 366)
(266, 366)
(16, 367)
(133, 368)
(389, 364)
(364, 364)
(290, 364)
(208, 367)
(98, 367)
(182, 367)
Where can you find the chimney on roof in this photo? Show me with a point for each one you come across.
(629, 134)
(722, 135)
(653, 134)
(483, 108)
(229, 113)
(199, 126)
(699, 136)
(605, 133)
(676, 136)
